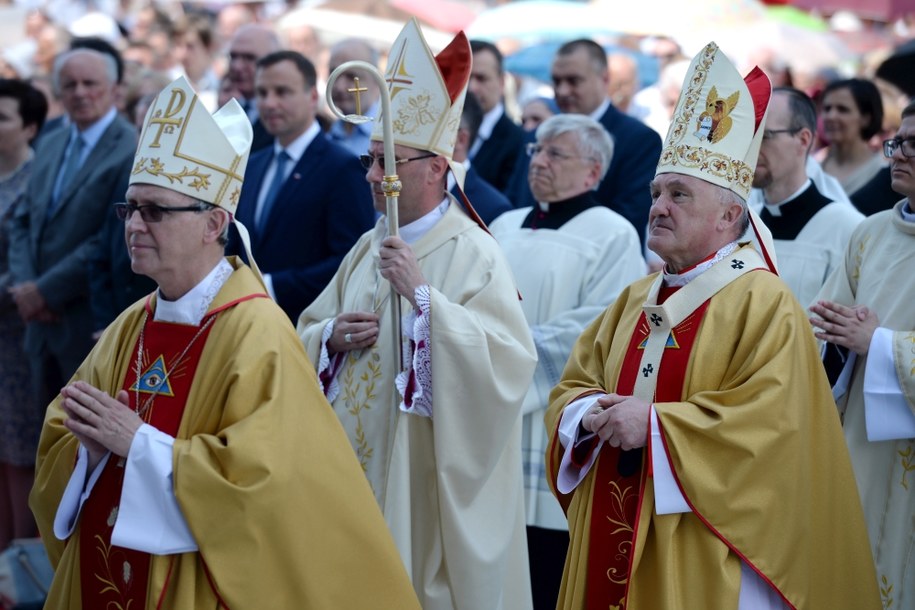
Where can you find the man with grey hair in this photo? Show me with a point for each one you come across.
(56, 224)
(571, 257)
(354, 92)
(580, 81)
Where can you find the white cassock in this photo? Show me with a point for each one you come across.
(566, 277)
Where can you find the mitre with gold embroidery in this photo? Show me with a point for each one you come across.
(717, 126)
(186, 149)
(427, 91)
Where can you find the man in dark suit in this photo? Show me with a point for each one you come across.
(580, 80)
(497, 146)
(305, 199)
(250, 43)
(485, 199)
(77, 173)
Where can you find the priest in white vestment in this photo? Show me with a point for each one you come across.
(810, 226)
(438, 438)
(571, 257)
(866, 308)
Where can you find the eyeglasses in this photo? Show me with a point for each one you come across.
(907, 145)
(152, 212)
(553, 154)
(768, 134)
(369, 160)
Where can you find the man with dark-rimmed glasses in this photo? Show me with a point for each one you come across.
(809, 229)
(173, 469)
(865, 309)
(571, 257)
(438, 435)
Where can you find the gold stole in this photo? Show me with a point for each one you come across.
(674, 323)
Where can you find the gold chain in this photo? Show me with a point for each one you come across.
(141, 411)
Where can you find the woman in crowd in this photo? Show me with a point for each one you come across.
(22, 112)
(852, 113)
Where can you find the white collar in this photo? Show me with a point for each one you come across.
(907, 214)
(489, 121)
(412, 232)
(600, 110)
(191, 308)
(682, 279)
(297, 147)
(775, 208)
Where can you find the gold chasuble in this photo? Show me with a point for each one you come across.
(753, 441)
(263, 473)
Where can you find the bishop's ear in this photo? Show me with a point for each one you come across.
(217, 225)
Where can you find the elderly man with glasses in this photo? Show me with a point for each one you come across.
(809, 228)
(865, 310)
(438, 432)
(571, 257)
(175, 468)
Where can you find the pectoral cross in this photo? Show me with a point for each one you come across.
(358, 91)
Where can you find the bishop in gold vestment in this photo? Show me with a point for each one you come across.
(694, 444)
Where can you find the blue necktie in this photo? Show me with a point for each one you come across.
(68, 172)
(279, 177)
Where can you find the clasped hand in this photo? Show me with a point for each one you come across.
(101, 423)
(621, 421)
(849, 327)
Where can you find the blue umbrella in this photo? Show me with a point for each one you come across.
(536, 59)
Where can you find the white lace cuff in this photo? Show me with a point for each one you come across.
(415, 384)
(328, 367)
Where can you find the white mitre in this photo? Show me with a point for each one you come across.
(186, 149)
(717, 129)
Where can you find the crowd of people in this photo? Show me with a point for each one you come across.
(622, 347)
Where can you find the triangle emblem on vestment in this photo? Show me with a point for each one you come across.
(154, 380)
(671, 342)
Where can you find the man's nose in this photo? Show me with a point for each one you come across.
(375, 173)
(659, 207)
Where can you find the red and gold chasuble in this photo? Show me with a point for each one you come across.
(619, 476)
(113, 577)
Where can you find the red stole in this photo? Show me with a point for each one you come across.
(620, 475)
(114, 577)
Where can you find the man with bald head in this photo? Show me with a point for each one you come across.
(56, 223)
(353, 137)
(251, 42)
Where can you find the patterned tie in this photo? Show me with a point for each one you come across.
(71, 167)
(279, 177)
